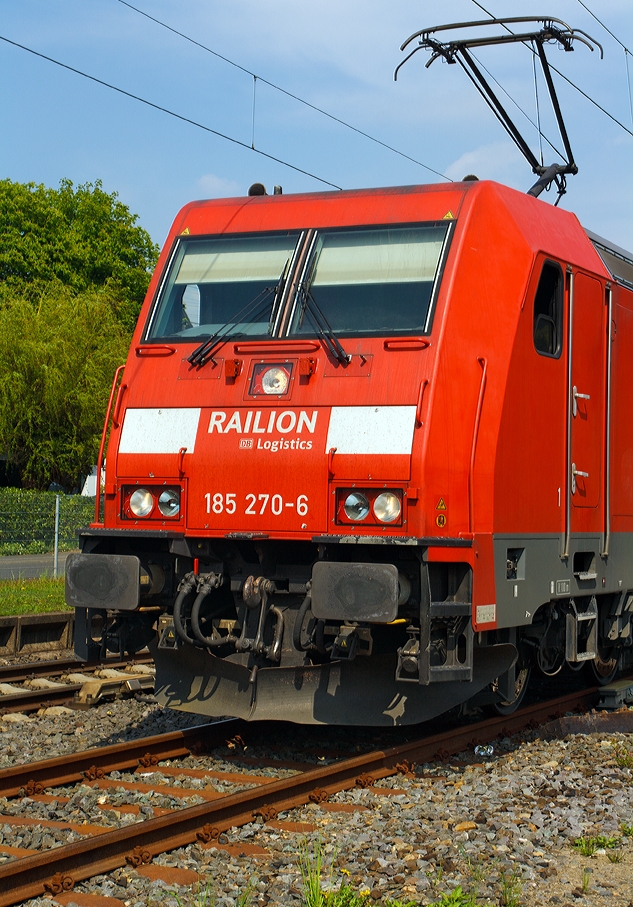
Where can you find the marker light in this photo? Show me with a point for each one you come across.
(387, 507)
(272, 379)
(141, 502)
(275, 381)
(356, 506)
(169, 502)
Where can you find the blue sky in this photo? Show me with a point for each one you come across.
(336, 54)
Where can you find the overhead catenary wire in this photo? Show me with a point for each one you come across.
(171, 113)
(284, 91)
(600, 22)
(627, 53)
(563, 76)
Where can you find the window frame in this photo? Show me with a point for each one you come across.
(179, 243)
(557, 318)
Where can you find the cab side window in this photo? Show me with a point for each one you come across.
(548, 311)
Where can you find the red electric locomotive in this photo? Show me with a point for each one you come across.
(370, 456)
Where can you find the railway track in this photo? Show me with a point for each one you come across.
(30, 687)
(231, 795)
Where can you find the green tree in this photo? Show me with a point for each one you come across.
(57, 359)
(82, 237)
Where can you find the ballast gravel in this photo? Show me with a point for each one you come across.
(501, 827)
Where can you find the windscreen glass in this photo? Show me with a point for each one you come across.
(221, 283)
(373, 281)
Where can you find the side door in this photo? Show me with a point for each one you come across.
(586, 404)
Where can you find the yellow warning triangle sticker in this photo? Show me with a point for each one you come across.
(441, 504)
(185, 232)
(449, 216)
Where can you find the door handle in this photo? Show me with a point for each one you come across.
(577, 397)
(576, 472)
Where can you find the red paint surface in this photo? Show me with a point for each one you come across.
(484, 313)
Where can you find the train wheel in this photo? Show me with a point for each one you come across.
(605, 665)
(520, 689)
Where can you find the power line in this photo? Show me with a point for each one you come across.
(171, 113)
(288, 94)
(627, 54)
(563, 76)
(599, 21)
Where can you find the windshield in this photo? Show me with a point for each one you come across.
(362, 281)
(211, 281)
(373, 280)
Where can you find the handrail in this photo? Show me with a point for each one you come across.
(483, 362)
(277, 346)
(158, 349)
(418, 408)
(607, 449)
(406, 343)
(330, 462)
(117, 405)
(568, 474)
(104, 436)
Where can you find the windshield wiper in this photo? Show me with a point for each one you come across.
(203, 353)
(323, 327)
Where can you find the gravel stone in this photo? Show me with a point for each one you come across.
(505, 822)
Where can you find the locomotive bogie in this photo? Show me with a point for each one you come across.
(369, 458)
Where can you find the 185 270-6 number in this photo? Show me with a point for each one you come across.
(254, 504)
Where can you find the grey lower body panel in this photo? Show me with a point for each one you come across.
(360, 692)
(543, 576)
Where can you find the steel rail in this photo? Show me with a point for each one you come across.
(64, 694)
(18, 673)
(33, 700)
(59, 869)
(68, 769)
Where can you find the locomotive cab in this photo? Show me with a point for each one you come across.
(366, 458)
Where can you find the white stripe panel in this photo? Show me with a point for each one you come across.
(159, 431)
(371, 429)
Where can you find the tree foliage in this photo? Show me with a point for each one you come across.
(57, 359)
(74, 269)
(82, 237)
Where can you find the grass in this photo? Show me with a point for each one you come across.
(204, 897)
(511, 889)
(320, 890)
(456, 898)
(624, 756)
(587, 846)
(320, 893)
(32, 596)
(586, 881)
(325, 886)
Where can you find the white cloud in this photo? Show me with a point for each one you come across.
(216, 187)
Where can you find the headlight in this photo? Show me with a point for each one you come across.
(387, 507)
(275, 381)
(356, 506)
(169, 503)
(141, 502)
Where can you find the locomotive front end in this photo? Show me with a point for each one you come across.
(272, 526)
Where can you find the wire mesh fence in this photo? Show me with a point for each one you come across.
(41, 522)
